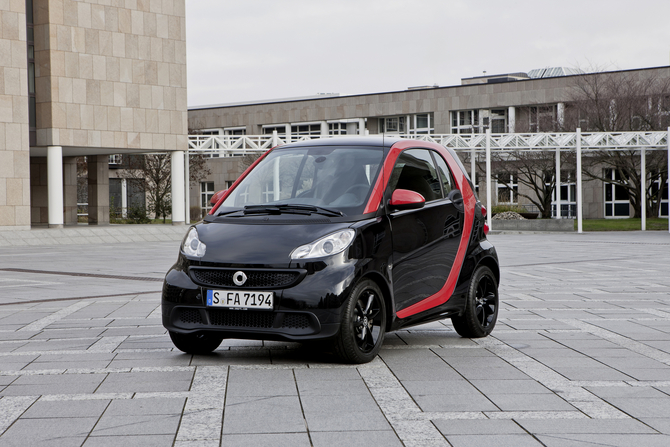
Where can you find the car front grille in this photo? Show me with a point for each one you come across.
(241, 319)
(256, 279)
(171, 293)
(190, 316)
(297, 321)
(289, 322)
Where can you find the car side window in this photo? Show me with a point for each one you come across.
(414, 170)
(445, 174)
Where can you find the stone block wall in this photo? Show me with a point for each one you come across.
(14, 136)
(111, 74)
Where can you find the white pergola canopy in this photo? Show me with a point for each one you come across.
(236, 145)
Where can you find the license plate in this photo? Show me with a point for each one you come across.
(236, 299)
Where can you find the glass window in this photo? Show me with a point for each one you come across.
(508, 188)
(445, 174)
(414, 170)
(267, 130)
(313, 129)
(617, 203)
(498, 121)
(394, 124)
(332, 177)
(342, 128)
(235, 131)
(465, 122)
(206, 193)
(568, 188)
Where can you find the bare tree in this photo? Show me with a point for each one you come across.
(534, 170)
(626, 165)
(156, 172)
(623, 101)
(619, 101)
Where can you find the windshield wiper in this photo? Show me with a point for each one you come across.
(227, 213)
(291, 209)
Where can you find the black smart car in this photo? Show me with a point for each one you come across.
(337, 240)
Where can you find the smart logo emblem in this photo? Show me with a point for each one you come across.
(239, 278)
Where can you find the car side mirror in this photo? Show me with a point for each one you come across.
(217, 196)
(404, 199)
(456, 199)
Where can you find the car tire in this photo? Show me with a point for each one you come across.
(481, 306)
(363, 324)
(197, 343)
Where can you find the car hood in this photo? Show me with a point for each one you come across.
(259, 244)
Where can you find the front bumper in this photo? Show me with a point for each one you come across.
(307, 308)
(248, 324)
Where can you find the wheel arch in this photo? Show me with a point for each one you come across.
(492, 264)
(386, 292)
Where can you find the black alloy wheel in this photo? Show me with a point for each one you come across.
(198, 343)
(481, 307)
(363, 324)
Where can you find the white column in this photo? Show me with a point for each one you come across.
(473, 165)
(361, 126)
(324, 129)
(643, 192)
(560, 114)
(187, 188)
(511, 119)
(287, 128)
(579, 179)
(558, 183)
(489, 212)
(55, 185)
(275, 138)
(275, 186)
(124, 197)
(177, 188)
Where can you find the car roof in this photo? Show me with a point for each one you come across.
(354, 140)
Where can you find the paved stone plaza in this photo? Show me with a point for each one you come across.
(580, 357)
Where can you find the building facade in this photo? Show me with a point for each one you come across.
(539, 101)
(90, 79)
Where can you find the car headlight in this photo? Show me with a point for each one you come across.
(326, 246)
(192, 245)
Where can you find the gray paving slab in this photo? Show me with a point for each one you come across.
(135, 424)
(585, 426)
(66, 409)
(129, 441)
(479, 427)
(146, 382)
(275, 414)
(267, 440)
(476, 440)
(593, 440)
(581, 356)
(355, 439)
(48, 432)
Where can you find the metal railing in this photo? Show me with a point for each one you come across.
(236, 145)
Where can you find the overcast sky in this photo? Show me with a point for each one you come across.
(248, 50)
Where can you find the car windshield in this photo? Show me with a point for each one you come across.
(327, 178)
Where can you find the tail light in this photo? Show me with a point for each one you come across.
(486, 229)
(483, 212)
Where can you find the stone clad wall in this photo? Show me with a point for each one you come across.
(111, 74)
(14, 136)
(439, 101)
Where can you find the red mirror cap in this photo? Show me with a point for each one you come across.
(217, 196)
(406, 199)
